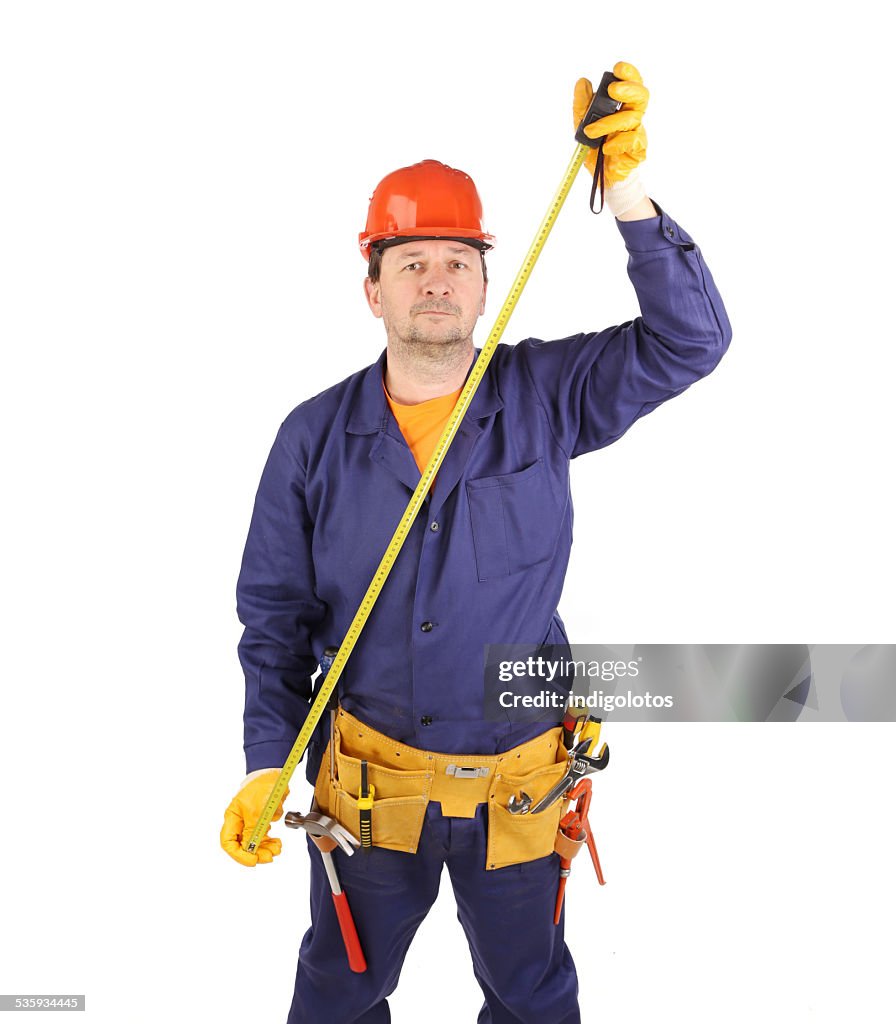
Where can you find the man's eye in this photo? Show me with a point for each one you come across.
(413, 266)
(457, 263)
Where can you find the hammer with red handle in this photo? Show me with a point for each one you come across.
(326, 834)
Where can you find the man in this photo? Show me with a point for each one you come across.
(483, 563)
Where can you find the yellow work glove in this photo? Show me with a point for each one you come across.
(626, 141)
(242, 815)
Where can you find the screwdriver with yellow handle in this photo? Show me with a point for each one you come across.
(365, 806)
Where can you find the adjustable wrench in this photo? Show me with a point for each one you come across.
(580, 765)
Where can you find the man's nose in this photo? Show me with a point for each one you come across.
(436, 281)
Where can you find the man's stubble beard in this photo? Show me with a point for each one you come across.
(417, 346)
(414, 346)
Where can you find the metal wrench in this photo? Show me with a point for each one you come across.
(519, 804)
(580, 765)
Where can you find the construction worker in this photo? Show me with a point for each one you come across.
(484, 563)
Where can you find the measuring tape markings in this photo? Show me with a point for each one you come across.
(416, 501)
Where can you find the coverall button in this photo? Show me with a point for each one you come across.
(434, 526)
(426, 626)
(426, 720)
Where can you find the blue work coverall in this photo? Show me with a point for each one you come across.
(484, 563)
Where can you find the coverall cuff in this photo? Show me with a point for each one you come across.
(654, 233)
(272, 754)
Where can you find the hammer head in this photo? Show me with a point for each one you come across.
(322, 826)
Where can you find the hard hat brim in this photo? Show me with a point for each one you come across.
(386, 239)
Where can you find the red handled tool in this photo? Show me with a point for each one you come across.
(356, 960)
(574, 826)
(327, 834)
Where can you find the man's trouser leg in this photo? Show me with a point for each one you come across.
(519, 956)
(389, 894)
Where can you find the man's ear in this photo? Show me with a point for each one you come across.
(482, 304)
(372, 294)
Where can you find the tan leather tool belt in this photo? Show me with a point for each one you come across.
(407, 778)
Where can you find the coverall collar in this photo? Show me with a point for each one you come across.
(370, 414)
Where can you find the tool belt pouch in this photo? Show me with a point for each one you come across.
(518, 838)
(407, 778)
(401, 794)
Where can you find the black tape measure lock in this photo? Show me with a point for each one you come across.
(602, 104)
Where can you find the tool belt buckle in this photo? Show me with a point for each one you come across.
(465, 772)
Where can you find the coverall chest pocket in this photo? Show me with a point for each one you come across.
(514, 521)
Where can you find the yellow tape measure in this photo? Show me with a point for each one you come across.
(417, 499)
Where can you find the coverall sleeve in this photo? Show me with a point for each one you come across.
(277, 604)
(594, 386)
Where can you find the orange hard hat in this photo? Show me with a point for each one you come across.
(425, 200)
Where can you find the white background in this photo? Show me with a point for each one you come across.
(182, 188)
